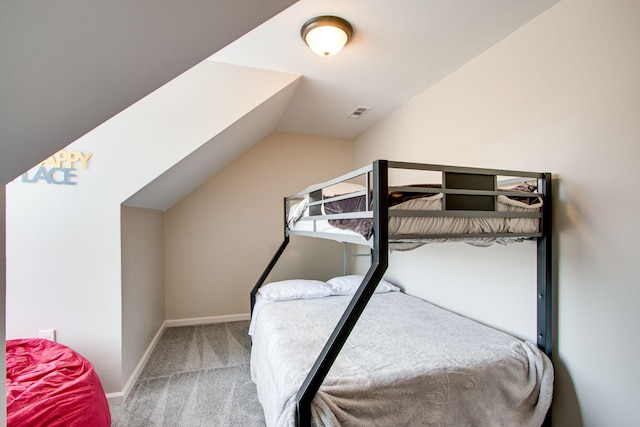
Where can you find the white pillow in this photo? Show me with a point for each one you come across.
(296, 211)
(347, 285)
(294, 289)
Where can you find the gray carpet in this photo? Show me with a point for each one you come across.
(196, 376)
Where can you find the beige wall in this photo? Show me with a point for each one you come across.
(143, 295)
(561, 94)
(219, 238)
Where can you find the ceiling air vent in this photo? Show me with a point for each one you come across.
(358, 112)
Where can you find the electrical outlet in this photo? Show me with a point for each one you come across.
(48, 334)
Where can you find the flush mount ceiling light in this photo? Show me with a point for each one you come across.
(326, 35)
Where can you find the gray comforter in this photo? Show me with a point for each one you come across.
(406, 363)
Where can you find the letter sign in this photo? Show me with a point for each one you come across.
(62, 171)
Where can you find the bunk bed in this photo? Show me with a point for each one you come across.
(403, 361)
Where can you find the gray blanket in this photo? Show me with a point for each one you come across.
(406, 363)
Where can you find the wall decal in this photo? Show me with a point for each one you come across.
(59, 169)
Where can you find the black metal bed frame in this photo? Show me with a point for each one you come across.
(380, 256)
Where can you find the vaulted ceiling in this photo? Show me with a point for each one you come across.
(399, 49)
(69, 66)
(66, 67)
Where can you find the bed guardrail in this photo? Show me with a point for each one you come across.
(467, 193)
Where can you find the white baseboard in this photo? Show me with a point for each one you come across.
(121, 396)
(206, 320)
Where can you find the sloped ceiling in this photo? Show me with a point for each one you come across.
(399, 49)
(66, 67)
(70, 66)
(223, 146)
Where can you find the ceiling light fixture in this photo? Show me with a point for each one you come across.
(326, 35)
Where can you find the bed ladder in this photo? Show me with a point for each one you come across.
(272, 263)
(379, 263)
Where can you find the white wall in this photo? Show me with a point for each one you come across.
(63, 242)
(142, 283)
(3, 393)
(61, 269)
(561, 94)
(220, 237)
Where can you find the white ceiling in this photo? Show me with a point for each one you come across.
(399, 49)
(68, 67)
(212, 156)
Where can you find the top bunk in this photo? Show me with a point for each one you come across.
(426, 203)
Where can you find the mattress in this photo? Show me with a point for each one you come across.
(429, 229)
(49, 384)
(406, 362)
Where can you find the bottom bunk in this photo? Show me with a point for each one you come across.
(406, 362)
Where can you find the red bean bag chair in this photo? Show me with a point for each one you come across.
(49, 384)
